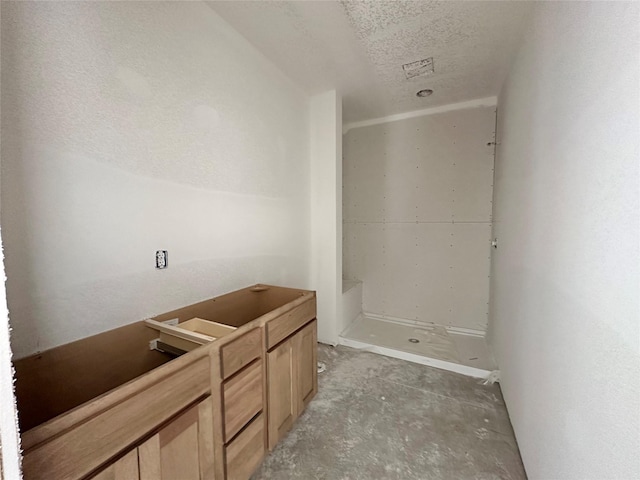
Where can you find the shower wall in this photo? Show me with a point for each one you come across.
(417, 216)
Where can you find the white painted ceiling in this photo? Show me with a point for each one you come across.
(359, 47)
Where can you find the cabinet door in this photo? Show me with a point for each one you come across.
(124, 469)
(305, 350)
(183, 449)
(282, 403)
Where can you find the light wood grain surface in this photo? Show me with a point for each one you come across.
(245, 453)
(242, 399)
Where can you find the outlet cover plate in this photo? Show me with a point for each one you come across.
(161, 259)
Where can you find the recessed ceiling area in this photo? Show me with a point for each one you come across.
(360, 47)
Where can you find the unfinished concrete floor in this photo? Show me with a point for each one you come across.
(381, 418)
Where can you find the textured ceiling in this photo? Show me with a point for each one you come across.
(359, 47)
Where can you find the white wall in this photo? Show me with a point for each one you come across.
(9, 438)
(134, 126)
(417, 215)
(565, 294)
(351, 303)
(325, 152)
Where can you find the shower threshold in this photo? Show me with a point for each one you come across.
(431, 345)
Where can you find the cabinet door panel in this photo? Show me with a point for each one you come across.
(124, 469)
(281, 391)
(305, 363)
(182, 449)
(150, 462)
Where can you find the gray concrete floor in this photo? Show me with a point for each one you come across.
(381, 418)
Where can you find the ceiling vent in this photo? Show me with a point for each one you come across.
(419, 68)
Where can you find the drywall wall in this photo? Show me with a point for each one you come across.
(351, 303)
(9, 437)
(417, 216)
(130, 127)
(325, 152)
(565, 319)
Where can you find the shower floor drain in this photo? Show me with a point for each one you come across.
(414, 340)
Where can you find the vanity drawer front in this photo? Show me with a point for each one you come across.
(242, 399)
(246, 451)
(280, 328)
(240, 352)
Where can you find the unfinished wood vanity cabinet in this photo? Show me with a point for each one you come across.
(94, 435)
(110, 408)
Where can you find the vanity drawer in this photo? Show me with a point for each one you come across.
(240, 352)
(246, 451)
(281, 327)
(242, 396)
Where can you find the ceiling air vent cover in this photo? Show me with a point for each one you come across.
(416, 69)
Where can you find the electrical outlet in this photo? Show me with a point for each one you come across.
(161, 259)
